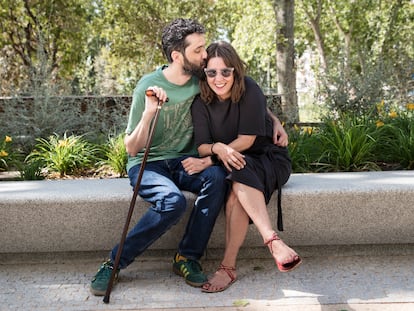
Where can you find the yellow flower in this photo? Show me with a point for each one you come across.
(63, 143)
(8, 139)
(308, 130)
(410, 106)
(379, 123)
(380, 105)
(3, 153)
(296, 127)
(393, 114)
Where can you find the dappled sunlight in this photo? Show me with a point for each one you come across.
(19, 187)
(353, 180)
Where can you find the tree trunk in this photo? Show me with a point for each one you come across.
(285, 60)
(314, 22)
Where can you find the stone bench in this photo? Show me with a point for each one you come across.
(318, 209)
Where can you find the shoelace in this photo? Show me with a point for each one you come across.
(105, 273)
(194, 265)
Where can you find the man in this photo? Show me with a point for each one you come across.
(172, 164)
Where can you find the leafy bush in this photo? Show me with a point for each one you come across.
(31, 170)
(115, 154)
(397, 137)
(344, 144)
(7, 157)
(64, 155)
(303, 148)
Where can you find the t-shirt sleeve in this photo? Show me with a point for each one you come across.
(252, 110)
(201, 122)
(137, 107)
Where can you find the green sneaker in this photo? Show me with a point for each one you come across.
(189, 269)
(101, 279)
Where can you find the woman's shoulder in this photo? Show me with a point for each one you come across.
(252, 88)
(250, 81)
(251, 84)
(197, 102)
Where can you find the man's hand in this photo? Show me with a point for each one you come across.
(280, 137)
(153, 95)
(196, 165)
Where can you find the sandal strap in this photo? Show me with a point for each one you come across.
(274, 237)
(228, 270)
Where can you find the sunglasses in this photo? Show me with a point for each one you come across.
(226, 72)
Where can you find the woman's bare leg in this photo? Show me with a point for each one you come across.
(252, 201)
(237, 224)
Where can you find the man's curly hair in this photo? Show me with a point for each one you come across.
(174, 35)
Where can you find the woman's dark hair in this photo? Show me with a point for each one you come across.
(230, 57)
(174, 35)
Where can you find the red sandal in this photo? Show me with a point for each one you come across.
(206, 288)
(286, 267)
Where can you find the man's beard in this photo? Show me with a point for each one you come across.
(193, 69)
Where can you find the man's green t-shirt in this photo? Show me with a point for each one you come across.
(173, 136)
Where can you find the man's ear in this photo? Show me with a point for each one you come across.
(176, 56)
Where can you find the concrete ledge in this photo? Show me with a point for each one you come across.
(318, 209)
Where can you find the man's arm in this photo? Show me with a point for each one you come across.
(136, 140)
(280, 137)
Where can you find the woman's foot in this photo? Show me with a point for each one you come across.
(286, 258)
(221, 280)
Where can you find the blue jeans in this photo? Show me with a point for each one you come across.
(160, 185)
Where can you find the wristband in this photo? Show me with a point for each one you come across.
(211, 149)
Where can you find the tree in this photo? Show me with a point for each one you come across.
(257, 48)
(132, 32)
(364, 54)
(285, 57)
(42, 38)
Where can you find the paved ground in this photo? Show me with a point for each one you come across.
(328, 280)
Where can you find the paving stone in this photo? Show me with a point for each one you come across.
(350, 282)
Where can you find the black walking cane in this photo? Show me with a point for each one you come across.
(134, 197)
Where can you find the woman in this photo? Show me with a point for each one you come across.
(231, 124)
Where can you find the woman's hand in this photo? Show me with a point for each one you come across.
(229, 156)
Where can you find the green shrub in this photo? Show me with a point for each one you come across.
(64, 155)
(396, 144)
(115, 155)
(303, 148)
(7, 156)
(347, 144)
(31, 170)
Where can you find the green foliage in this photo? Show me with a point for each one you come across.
(357, 92)
(133, 29)
(363, 49)
(115, 155)
(381, 139)
(239, 18)
(64, 155)
(45, 111)
(397, 138)
(44, 115)
(303, 148)
(57, 28)
(6, 153)
(346, 144)
(32, 170)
